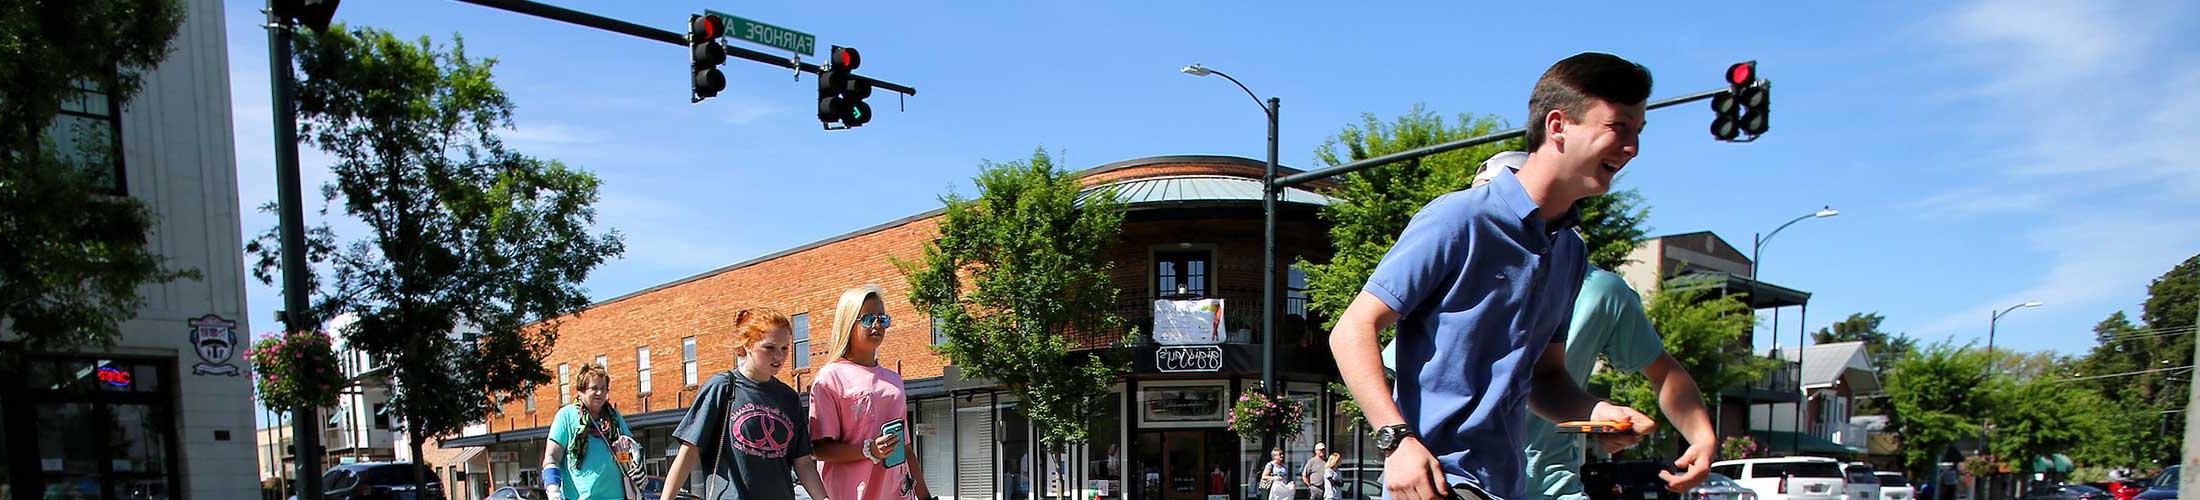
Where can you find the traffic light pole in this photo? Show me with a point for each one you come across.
(305, 430)
(556, 13)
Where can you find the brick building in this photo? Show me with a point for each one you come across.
(1192, 230)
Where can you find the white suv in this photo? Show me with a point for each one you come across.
(1892, 486)
(1863, 484)
(1788, 478)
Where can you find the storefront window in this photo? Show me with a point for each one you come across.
(974, 431)
(934, 436)
(94, 428)
(1104, 451)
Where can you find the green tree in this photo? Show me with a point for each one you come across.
(2042, 416)
(1884, 347)
(1699, 329)
(2125, 354)
(1938, 400)
(73, 257)
(1375, 204)
(467, 243)
(1013, 275)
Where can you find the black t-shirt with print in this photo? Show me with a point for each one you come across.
(749, 434)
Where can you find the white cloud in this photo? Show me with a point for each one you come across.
(2093, 262)
(549, 134)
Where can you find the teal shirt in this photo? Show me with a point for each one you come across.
(598, 477)
(1608, 320)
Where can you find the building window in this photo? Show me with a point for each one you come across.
(530, 400)
(87, 133)
(565, 384)
(939, 332)
(1181, 273)
(603, 362)
(801, 323)
(641, 369)
(1294, 292)
(382, 416)
(687, 361)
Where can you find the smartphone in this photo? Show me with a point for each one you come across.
(1594, 427)
(896, 457)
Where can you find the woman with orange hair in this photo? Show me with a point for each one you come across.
(746, 424)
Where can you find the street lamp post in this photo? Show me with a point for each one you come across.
(1271, 107)
(1987, 445)
(1756, 246)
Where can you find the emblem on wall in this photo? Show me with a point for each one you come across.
(215, 339)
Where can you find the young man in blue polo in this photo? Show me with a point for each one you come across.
(1481, 286)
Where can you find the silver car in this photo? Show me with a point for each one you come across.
(1719, 487)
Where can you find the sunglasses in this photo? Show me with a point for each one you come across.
(880, 321)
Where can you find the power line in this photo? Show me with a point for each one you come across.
(2148, 334)
(2125, 374)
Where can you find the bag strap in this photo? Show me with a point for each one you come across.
(717, 450)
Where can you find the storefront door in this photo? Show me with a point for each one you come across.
(1186, 465)
(89, 428)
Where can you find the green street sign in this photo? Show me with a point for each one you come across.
(766, 34)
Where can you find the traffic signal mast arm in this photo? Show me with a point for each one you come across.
(1310, 176)
(556, 13)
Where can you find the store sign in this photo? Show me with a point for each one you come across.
(1187, 322)
(1188, 359)
(503, 456)
(215, 339)
(114, 376)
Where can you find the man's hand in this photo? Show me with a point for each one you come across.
(1695, 465)
(1411, 473)
(1641, 425)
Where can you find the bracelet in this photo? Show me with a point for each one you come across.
(870, 455)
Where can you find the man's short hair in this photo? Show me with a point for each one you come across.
(1575, 83)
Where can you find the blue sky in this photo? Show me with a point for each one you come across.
(1982, 153)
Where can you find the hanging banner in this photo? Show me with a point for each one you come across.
(1187, 322)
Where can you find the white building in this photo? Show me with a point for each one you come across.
(166, 412)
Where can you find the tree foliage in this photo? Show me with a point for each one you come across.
(1013, 275)
(1940, 394)
(466, 242)
(1375, 204)
(73, 256)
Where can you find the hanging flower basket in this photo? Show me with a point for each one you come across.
(295, 371)
(1255, 413)
(1740, 447)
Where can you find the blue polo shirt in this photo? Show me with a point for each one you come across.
(1482, 287)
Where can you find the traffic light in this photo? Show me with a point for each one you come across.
(704, 56)
(314, 14)
(840, 93)
(1744, 111)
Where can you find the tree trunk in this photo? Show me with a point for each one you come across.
(420, 464)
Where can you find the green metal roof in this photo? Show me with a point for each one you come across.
(1201, 188)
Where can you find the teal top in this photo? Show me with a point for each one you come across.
(1608, 321)
(596, 476)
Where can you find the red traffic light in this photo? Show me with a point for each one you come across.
(705, 28)
(1741, 73)
(846, 58)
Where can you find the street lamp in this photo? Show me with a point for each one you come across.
(1756, 246)
(1986, 445)
(1267, 244)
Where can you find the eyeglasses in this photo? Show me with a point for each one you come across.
(879, 321)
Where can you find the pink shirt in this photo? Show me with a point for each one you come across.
(848, 403)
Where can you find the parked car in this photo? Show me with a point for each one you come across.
(1862, 482)
(1719, 487)
(377, 481)
(2064, 492)
(1892, 486)
(518, 492)
(1369, 486)
(2163, 487)
(1787, 478)
(652, 486)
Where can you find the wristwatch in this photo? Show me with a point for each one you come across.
(1388, 437)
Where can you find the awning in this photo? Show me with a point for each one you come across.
(2052, 464)
(1801, 444)
(465, 456)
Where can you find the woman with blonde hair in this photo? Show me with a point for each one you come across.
(746, 425)
(578, 463)
(856, 408)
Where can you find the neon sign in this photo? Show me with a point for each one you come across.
(114, 376)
